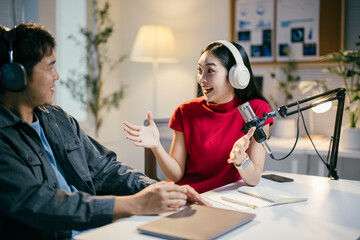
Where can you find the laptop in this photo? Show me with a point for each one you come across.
(196, 222)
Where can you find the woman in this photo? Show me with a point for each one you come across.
(207, 130)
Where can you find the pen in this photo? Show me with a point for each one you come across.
(238, 202)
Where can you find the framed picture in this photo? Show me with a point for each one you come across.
(253, 28)
(297, 28)
(286, 30)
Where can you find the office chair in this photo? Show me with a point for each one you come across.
(152, 168)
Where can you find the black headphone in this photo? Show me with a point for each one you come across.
(239, 75)
(12, 75)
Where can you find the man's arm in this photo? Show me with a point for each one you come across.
(109, 175)
(38, 202)
(157, 198)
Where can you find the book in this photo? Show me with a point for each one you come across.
(255, 197)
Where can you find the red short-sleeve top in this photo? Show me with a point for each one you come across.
(210, 131)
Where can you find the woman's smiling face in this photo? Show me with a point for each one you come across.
(213, 79)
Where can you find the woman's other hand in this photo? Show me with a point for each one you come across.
(238, 153)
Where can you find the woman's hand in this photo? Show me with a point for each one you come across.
(142, 136)
(194, 197)
(238, 153)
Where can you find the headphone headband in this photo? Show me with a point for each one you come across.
(234, 51)
(239, 75)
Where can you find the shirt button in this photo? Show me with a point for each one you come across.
(55, 185)
(30, 159)
(77, 143)
(41, 153)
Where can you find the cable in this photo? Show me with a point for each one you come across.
(307, 133)
(297, 136)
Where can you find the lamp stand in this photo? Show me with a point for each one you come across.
(155, 65)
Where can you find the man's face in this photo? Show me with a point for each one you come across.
(40, 89)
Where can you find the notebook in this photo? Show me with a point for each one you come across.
(197, 222)
(255, 197)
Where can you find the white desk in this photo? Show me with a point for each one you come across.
(332, 211)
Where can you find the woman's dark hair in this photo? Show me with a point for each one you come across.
(224, 55)
(32, 43)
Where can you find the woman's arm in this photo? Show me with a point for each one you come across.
(173, 165)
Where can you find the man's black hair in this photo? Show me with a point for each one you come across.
(32, 43)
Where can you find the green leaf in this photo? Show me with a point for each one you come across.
(88, 87)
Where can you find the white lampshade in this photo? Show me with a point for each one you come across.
(322, 107)
(154, 43)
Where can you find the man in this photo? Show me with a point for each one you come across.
(53, 177)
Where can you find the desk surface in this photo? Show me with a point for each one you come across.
(332, 211)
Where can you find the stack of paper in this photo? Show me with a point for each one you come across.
(255, 197)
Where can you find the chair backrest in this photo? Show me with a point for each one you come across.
(152, 168)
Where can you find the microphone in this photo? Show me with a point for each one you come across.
(251, 120)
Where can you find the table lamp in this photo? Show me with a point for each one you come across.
(155, 44)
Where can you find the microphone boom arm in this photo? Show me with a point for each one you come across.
(335, 94)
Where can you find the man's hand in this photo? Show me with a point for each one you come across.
(160, 197)
(157, 198)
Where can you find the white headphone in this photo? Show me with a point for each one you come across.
(239, 75)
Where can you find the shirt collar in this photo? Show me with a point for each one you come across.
(7, 118)
(224, 107)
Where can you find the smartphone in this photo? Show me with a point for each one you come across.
(277, 178)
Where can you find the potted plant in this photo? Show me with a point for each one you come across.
(285, 127)
(287, 84)
(348, 69)
(88, 88)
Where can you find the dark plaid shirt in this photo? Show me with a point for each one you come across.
(32, 206)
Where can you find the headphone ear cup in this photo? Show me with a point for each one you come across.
(239, 77)
(13, 77)
(232, 78)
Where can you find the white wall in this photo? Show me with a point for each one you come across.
(194, 23)
(69, 56)
(25, 10)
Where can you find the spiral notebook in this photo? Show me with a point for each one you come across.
(197, 222)
(255, 197)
